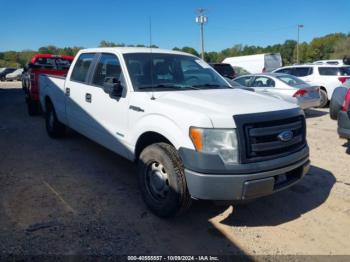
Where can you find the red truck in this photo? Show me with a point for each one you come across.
(42, 64)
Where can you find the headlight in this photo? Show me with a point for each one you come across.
(216, 141)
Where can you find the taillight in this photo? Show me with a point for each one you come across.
(300, 92)
(346, 103)
(342, 79)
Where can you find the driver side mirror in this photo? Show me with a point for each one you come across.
(113, 87)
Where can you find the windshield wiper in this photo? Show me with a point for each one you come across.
(167, 86)
(211, 85)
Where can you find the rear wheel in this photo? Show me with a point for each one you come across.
(54, 127)
(324, 98)
(162, 180)
(33, 107)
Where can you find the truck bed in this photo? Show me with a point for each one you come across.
(53, 86)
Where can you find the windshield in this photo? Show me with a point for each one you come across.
(291, 80)
(167, 72)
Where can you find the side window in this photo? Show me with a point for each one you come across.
(285, 71)
(107, 66)
(262, 81)
(81, 67)
(302, 71)
(244, 81)
(328, 71)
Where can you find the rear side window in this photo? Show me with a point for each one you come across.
(244, 81)
(302, 71)
(345, 71)
(107, 66)
(334, 71)
(285, 71)
(81, 67)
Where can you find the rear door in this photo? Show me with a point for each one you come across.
(305, 73)
(75, 90)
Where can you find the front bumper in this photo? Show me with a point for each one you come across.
(344, 124)
(243, 187)
(209, 178)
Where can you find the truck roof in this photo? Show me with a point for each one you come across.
(128, 50)
(37, 56)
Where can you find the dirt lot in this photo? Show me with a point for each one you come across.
(71, 196)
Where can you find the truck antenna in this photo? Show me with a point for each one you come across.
(150, 46)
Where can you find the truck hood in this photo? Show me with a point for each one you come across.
(221, 104)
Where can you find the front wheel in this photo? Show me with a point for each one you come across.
(54, 127)
(162, 180)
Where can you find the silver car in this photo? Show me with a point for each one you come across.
(15, 75)
(283, 86)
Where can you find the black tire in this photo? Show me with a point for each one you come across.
(334, 109)
(167, 196)
(33, 107)
(324, 99)
(54, 128)
(336, 102)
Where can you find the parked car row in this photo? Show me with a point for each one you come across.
(283, 86)
(328, 77)
(10, 74)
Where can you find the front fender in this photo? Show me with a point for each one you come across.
(176, 134)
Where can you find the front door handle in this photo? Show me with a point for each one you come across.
(67, 91)
(88, 97)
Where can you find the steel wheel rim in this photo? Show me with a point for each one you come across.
(157, 181)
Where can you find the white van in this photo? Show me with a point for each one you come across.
(255, 64)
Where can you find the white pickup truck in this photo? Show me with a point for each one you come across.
(193, 136)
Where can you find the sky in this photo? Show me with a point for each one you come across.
(32, 24)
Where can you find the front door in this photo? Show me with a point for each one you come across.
(108, 114)
(264, 85)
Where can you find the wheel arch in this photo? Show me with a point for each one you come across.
(148, 138)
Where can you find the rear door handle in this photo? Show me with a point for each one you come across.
(88, 97)
(67, 91)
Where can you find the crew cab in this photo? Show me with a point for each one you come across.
(192, 134)
(41, 64)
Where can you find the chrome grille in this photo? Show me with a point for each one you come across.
(259, 139)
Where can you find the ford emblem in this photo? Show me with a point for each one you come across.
(285, 136)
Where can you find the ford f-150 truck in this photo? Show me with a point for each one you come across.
(193, 135)
(41, 64)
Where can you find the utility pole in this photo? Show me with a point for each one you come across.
(299, 26)
(201, 19)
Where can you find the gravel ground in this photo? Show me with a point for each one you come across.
(72, 196)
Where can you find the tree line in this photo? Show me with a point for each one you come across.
(331, 46)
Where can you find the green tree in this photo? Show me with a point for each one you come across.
(341, 48)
